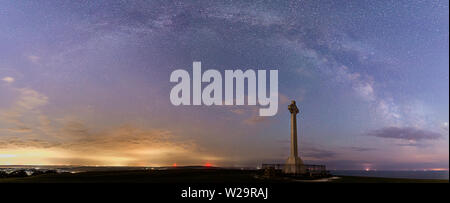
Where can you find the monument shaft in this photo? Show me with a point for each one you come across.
(294, 151)
(294, 164)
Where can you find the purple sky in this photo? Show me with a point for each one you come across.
(88, 82)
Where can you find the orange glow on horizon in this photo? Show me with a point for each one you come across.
(207, 164)
(438, 169)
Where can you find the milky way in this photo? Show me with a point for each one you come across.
(88, 82)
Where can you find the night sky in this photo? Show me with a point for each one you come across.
(87, 82)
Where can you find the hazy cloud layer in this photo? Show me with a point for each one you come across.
(407, 133)
(8, 79)
(29, 136)
(125, 145)
(362, 149)
(312, 153)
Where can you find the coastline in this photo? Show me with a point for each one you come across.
(205, 175)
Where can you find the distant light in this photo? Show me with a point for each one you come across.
(439, 169)
(174, 164)
(207, 164)
(367, 169)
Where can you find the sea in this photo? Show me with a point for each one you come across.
(441, 175)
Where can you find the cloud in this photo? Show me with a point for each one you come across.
(283, 98)
(316, 154)
(22, 129)
(256, 119)
(30, 99)
(25, 107)
(34, 138)
(117, 145)
(362, 149)
(445, 126)
(8, 79)
(33, 58)
(412, 144)
(252, 112)
(238, 111)
(406, 133)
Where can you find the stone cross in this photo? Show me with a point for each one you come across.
(294, 164)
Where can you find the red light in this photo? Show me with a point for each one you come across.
(174, 164)
(207, 164)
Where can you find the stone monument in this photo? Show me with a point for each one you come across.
(294, 164)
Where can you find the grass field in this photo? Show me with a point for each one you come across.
(192, 176)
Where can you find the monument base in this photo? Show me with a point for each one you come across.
(294, 165)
